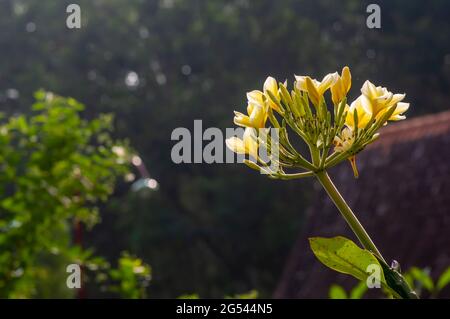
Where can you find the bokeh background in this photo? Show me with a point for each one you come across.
(212, 230)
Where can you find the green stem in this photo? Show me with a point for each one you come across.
(295, 176)
(393, 278)
(315, 155)
(348, 214)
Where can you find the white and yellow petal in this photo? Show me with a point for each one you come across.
(313, 93)
(399, 110)
(327, 82)
(315, 88)
(235, 144)
(369, 89)
(346, 78)
(251, 142)
(258, 116)
(396, 98)
(247, 145)
(301, 82)
(361, 105)
(271, 85)
(241, 119)
(344, 141)
(255, 97)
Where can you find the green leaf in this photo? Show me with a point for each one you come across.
(337, 292)
(421, 276)
(358, 291)
(344, 256)
(443, 280)
(39, 95)
(189, 296)
(252, 294)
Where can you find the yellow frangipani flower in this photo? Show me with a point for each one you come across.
(343, 84)
(315, 88)
(362, 115)
(257, 116)
(248, 144)
(379, 100)
(351, 129)
(258, 98)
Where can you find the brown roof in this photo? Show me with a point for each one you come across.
(415, 128)
(402, 197)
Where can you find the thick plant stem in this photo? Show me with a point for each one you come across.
(348, 214)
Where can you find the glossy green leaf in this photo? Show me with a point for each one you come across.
(337, 292)
(344, 256)
(358, 291)
(423, 277)
(443, 280)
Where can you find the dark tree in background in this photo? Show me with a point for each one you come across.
(157, 65)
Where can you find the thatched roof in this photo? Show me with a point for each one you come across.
(402, 197)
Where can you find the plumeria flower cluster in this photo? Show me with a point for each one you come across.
(332, 134)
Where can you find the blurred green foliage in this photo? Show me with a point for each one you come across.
(196, 59)
(252, 294)
(338, 292)
(55, 167)
(131, 276)
(423, 283)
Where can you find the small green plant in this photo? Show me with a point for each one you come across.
(417, 278)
